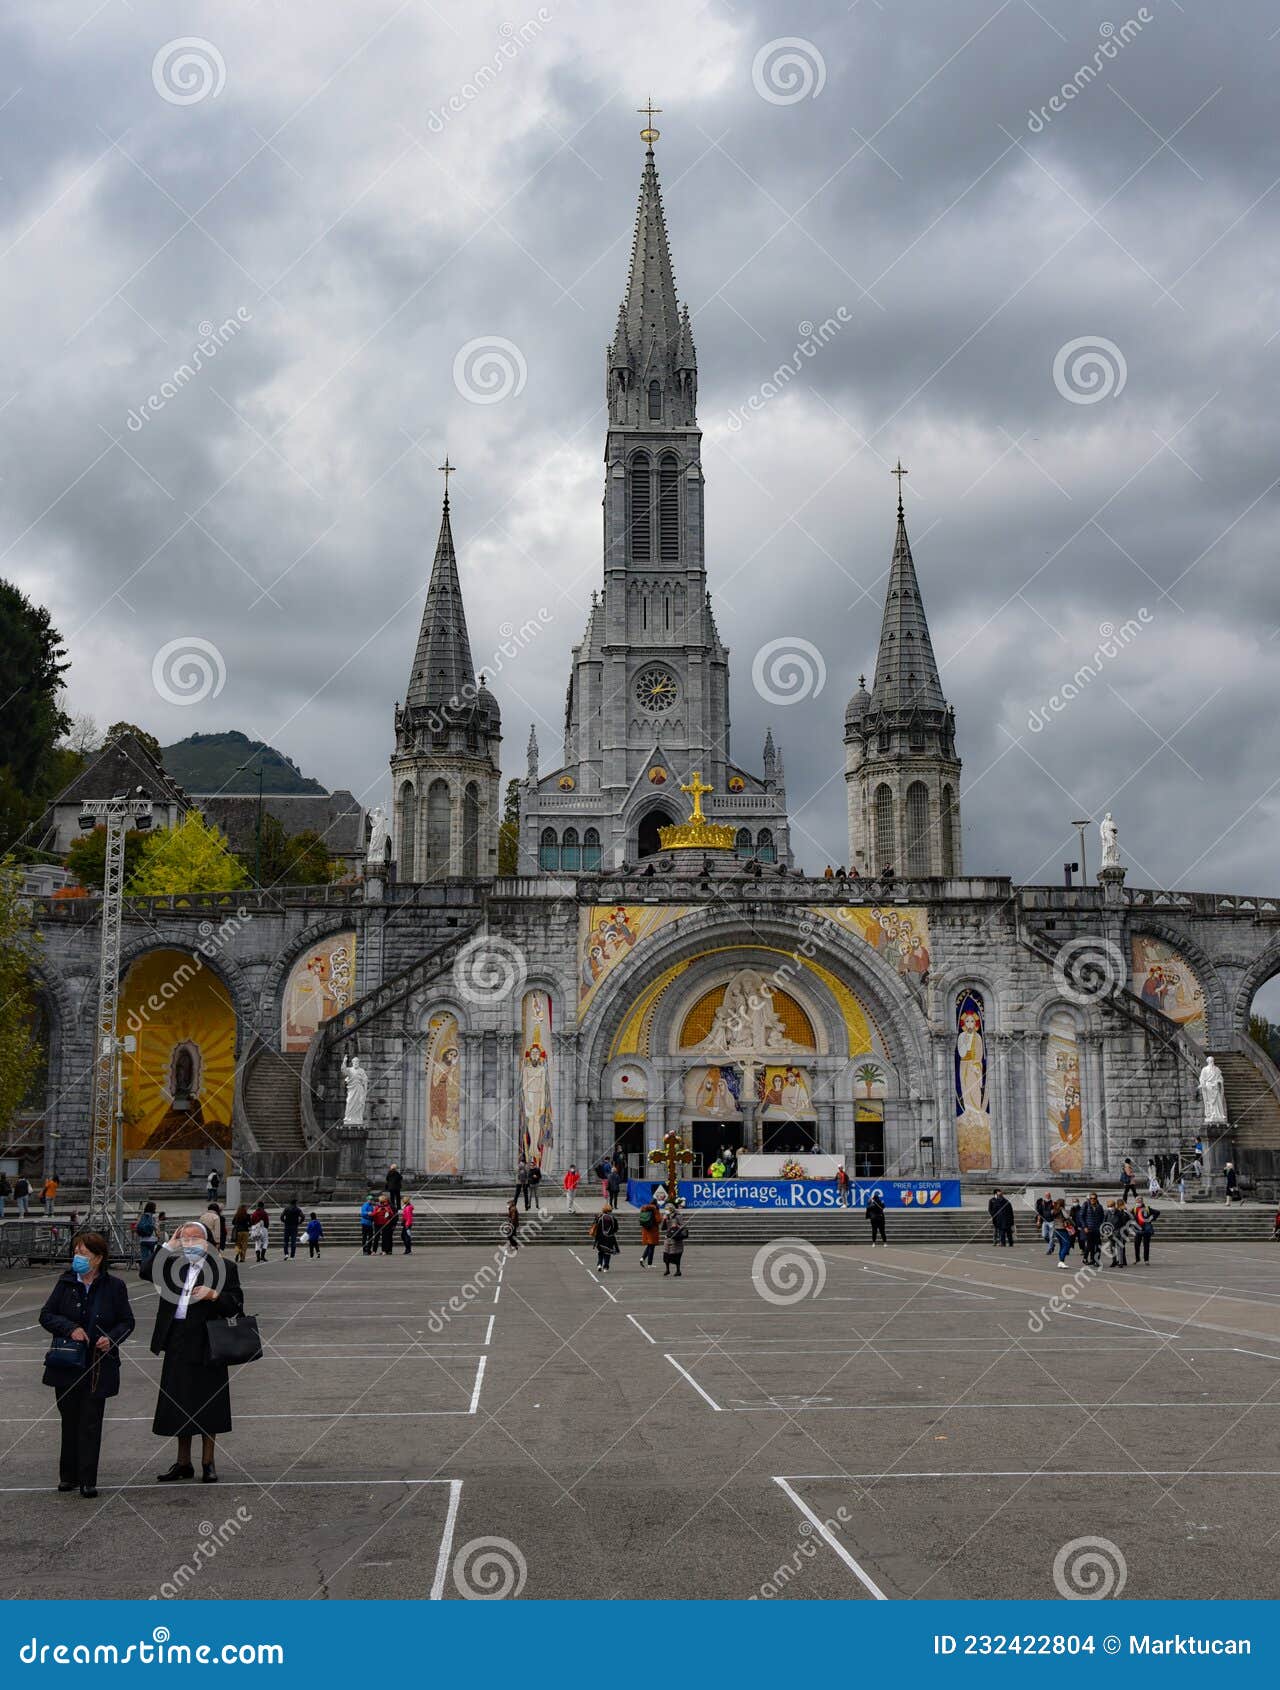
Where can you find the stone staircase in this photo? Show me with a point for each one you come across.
(273, 1100)
(1253, 1108)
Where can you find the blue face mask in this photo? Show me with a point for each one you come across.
(193, 1252)
(80, 1265)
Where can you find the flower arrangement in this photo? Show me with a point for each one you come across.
(793, 1170)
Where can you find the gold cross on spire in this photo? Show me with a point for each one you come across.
(447, 469)
(695, 789)
(899, 472)
(649, 135)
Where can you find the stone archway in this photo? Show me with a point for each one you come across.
(648, 843)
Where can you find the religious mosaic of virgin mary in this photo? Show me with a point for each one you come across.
(973, 1102)
(537, 1112)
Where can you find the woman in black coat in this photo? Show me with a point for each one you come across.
(91, 1307)
(196, 1285)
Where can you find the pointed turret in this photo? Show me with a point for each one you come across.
(531, 766)
(906, 670)
(653, 341)
(442, 678)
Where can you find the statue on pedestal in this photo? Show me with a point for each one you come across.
(379, 838)
(356, 1080)
(1110, 842)
(1213, 1094)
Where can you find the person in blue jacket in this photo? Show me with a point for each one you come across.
(366, 1225)
(90, 1307)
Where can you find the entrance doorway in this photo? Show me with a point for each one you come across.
(647, 841)
(708, 1138)
(789, 1138)
(868, 1150)
(628, 1143)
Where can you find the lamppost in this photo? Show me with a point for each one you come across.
(1084, 860)
(106, 1183)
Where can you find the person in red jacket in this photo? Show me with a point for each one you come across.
(571, 1178)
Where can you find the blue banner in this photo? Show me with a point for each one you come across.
(804, 1193)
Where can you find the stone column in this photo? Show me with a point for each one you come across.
(1094, 1104)
(1036, 1156)
(506, 1114)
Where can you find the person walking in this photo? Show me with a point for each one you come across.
(315, 1232)
(1128, 1186)
(1063, 1231)
(604, 1235)
(406, 1225)
(1233, 1182)
(875, 1215)
(994, 1204)
(603, 1169)
(522, 1181)
(22, 1192)
(842, 1187)
(1113, 1234)
(613, 1185)
(512, 1227)
(1144, 1219)
(211, 1188)
(570, 1183)
(1044, 1214)
(650, 1232)
(88, 1315)
(260, 1235)
(146, 1232)
(1092, 1217)
(197, 1285)
(366, 1225)
(1153, 1178)
(6, 1192)
(535, 1180)
(675, 1237)
(387, 1225)
(240, 1224)
(1003, 1220)
(291, 1219)
(217, 1226)
(395, 1185)
(49, 1191)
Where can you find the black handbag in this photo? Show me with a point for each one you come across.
(67, 1353)
(235, 1340)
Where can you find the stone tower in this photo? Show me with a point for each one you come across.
(445, 773)
(648, 696)
(902, 773)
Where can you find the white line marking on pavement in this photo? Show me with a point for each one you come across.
(603, 1287)
(828, 1537)
(488, 1331)
(497, 1291)
(697, 1387)
(640, 1329)
(446, 1541)
(1136, 1473)
(475, 1389)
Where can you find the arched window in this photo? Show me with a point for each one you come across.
(742, 843)
(765, 852)
(640, 507)
(948, 832)
(439, 830)
(591, 849)
(917, 828)
(405, 865)
(471, 830)
(570, 855)
(669, 509)
(886, 834)
(548, 850)
(655, 401)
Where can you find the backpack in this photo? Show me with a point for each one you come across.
(146, 1226)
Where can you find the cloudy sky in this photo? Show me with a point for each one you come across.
(1064, 320)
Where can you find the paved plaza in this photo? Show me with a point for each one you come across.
(806, 1423)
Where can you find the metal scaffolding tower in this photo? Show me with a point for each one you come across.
(106, 1194)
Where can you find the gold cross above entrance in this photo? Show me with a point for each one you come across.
(695, 789)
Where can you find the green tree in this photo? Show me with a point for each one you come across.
(299, 859)
(87, 857)
(149, 742)
(32, 664)
(192, 857)
(20, 1050)
(509, 830)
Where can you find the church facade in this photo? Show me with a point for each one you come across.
(910, 1017)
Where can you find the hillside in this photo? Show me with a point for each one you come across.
(228, 763)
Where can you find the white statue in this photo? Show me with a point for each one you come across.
(1213, 1094)
(747, 1020)
(356, 1080)
(1110, 842)
(376, 855)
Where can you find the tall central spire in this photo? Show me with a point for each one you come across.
(653, 341)
(906, 670)
(442, 677)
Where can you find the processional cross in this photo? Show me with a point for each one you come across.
(672, 1152)
(695, 789)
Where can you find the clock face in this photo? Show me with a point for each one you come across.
(656, 690)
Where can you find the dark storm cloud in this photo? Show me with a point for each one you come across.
(282, 504)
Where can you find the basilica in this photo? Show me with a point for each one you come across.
(656, 962)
